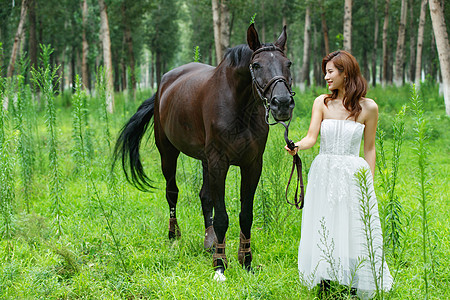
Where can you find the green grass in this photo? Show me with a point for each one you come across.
(84, 263)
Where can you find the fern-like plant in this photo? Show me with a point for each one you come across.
(46, 78)
(25, 141)
(421, 149)
(7, 194)
(392, 210)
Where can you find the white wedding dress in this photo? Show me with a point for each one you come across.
(333, 244)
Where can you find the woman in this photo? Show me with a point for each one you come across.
(333, 244)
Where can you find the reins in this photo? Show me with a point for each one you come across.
(297, 162)
(299, 201)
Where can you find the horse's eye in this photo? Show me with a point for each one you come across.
(256, 66)
(289, 64)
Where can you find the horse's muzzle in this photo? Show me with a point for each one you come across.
(282, 107)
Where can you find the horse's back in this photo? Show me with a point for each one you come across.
(180, 98)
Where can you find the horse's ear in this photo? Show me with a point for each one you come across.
(252, 38)
(282, 39)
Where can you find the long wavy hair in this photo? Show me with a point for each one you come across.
(355, 86)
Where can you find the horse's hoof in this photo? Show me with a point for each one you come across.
(174, 229)
(219, 275)
(249, 269)
(210, 237)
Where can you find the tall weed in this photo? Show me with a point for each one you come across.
(422, 153)
(23, 122)
(392, 208)
(7, 194)
(45, 78)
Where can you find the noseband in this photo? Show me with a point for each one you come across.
(262, 90)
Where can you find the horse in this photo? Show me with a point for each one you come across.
(220, 116)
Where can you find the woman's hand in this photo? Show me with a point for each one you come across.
(291, 152)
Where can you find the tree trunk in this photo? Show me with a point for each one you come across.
(443, 47)
(304, 73)
(107, 61)
(348, 26)
(412, 43)
(32, 42)
(216, 24)
(324, 28)
(158, 65)
(62, 82)
(400, 52)
(129, 44)
(224, 26)
(17, 38)
(152, 71)
(385, 44)
(375, 45)
(317, 69)
(85, 47)
(221, 20)
(420, 31)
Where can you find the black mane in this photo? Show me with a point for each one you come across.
(240, 56)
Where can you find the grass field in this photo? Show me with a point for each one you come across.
(114, 244)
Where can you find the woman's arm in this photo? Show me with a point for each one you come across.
(370, 131)
(314, 127)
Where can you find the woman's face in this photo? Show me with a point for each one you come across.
(333, 77)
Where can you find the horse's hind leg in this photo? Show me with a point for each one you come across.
(207, 208)
(169, 155)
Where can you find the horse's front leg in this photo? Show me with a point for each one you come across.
(218, 167)
(207, 208)
(249, 181)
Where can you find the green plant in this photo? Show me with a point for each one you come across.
(45, 78)
(7, 194)
(392, 210)
(197, 54)
(25, 141)
(422, 153)
(100, 90)
(252, 19)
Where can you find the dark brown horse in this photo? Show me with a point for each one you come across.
(220, 116)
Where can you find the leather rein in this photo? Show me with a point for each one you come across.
(261, 91)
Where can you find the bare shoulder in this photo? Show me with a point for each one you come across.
(369, 109)
(319, 101)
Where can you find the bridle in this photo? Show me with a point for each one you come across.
(261, 91)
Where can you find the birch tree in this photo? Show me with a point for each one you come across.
(420, 32)
(304, 73)
(348, 25)
(385, 43)
(221, 24)
(412, 42)
(107, 60)
(443, 48)
(324, 28)
(400, 52)
(17, 38)
(85, 46)
(375, 44)
(32, 41)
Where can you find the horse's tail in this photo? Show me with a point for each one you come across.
(129, 141)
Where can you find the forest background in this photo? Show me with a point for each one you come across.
(138, 41)
(72, 72)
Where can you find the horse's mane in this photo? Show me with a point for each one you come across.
(239, 56)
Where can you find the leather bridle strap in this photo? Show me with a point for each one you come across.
(296, 164)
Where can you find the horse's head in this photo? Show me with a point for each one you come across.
(271, 75)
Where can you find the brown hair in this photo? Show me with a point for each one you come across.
(354, 83)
